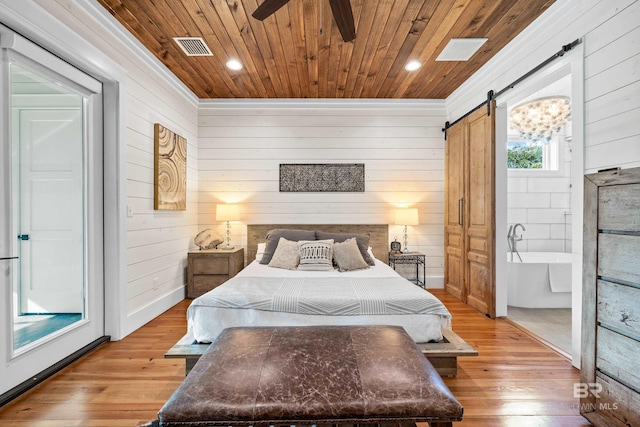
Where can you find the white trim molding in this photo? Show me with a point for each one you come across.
(388, 104)
(110, 25)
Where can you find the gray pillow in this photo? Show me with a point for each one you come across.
(273, 237)
(287, 255)
(348, 257)
(361, 239)
(316, 255)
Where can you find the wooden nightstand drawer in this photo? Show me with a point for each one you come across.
(208, 269)
(204, 283)
(209, 265)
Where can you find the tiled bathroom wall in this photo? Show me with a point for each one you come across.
(541, 202)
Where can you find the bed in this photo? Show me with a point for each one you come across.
(265, 296)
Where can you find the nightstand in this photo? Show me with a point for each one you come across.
(210, 268)
(411, 258)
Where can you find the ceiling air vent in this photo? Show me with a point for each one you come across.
(460, 49)
(193, 46)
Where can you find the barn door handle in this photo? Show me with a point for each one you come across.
(23, 237)
(461, 211)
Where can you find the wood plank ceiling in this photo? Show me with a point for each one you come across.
(298, 51)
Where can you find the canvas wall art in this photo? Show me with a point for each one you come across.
(170, 183)
(322, 177)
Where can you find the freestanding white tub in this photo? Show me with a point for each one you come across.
(541, 280)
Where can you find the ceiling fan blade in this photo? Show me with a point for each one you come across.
(267, 8)
(343, 16)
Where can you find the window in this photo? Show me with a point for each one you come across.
(521, 155)
(524, 156)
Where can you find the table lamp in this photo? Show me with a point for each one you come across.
(227, 213)
(406, 216)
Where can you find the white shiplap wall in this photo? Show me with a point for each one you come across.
(611, 34)
(156, 242)
(401, 144)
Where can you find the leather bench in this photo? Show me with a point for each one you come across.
(311, 375)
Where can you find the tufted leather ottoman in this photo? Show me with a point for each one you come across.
(311, 375)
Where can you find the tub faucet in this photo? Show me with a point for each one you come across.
(513, 238)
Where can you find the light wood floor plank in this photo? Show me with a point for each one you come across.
(515, 380)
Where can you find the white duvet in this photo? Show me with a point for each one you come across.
(263, 296)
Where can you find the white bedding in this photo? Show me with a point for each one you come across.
(377, 295)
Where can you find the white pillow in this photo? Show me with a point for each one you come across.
(287, 255)
(316, 255)
(260, 251)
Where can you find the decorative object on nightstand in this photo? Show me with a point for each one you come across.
(406, 216)
(396, 246)
(208, 239)
(210, 268)
(413, 258)
(227, 213)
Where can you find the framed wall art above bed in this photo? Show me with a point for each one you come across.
(322, 177)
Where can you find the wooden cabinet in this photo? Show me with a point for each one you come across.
(210, 268)
(610, 371)
(469, 255)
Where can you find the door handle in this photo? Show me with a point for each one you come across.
(23, 237)
(461, 211)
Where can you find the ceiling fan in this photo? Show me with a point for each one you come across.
(341, 9)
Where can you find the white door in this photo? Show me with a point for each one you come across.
(51, 210)
(52, 227)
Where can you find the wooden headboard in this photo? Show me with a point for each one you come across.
(379, 242)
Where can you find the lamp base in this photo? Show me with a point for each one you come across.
(226, 247)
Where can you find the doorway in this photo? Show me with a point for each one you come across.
(52, 233)
(539, 212)
(539, 217)
(48, 186)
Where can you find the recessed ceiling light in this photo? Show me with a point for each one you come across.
(234, 64)
(460, 49)
(412, 65)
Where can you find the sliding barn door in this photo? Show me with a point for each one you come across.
(480, 212)
(454, 211)
(470, 211)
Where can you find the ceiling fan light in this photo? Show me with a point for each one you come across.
(412, 65)
(234, 64)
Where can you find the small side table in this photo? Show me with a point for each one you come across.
(210, 268)
(412, 258)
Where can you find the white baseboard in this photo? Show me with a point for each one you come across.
(151, 311)
(435, 282)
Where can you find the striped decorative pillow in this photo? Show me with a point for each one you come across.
(316, 255)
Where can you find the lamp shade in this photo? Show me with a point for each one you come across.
(227, 213)
(407, 216)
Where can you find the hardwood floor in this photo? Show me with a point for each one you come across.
(515, 381)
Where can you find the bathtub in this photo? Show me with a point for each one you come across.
(541, 280)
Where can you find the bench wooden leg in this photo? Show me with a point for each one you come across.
(440, 424)
(190, 363)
